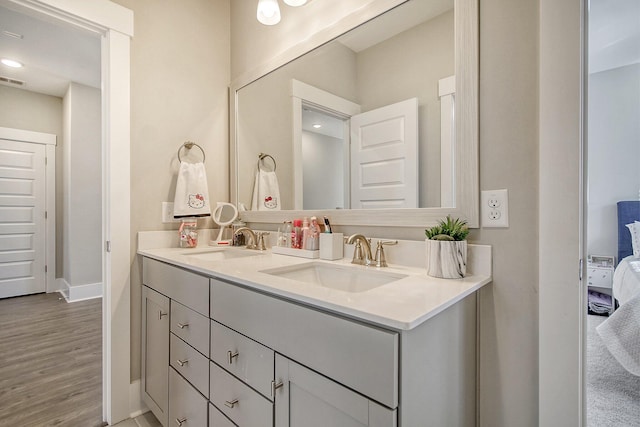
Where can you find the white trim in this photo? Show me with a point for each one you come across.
(446, 92)
(50, 221)
(27, 136)
(115, 25)
(136, 405)
(466, 19)
(75, 293)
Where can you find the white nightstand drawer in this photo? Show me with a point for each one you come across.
(600, 277)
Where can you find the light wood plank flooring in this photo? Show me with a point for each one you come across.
(50, 362)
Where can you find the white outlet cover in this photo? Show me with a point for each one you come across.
(494, 209)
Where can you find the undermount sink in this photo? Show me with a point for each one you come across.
(342, 278)
(219, 254)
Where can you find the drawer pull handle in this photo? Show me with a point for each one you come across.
(161, 314)
(180, 421)
(274, 387)
(183, 325)
(231, 404)
(182, 362)
(231, 355)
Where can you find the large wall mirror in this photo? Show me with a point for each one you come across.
(376, 127)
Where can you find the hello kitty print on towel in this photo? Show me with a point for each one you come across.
(196, 201)
(270, 202)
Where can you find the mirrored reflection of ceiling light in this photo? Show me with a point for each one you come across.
(317, 126)
(11, 63)
(268, 12)
(295, 2)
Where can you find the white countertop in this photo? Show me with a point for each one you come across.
(402, 304)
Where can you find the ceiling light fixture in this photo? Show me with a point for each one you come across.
(11, 63)
(317, 126)
(269, 11)
(295, 3)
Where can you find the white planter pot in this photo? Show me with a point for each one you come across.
(446, 259)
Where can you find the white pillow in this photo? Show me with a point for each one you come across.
(634, 229)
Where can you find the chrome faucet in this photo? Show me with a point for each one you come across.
(362, 243)
(256, 240)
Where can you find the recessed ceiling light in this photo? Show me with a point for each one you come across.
(317, 126)
(11, 63)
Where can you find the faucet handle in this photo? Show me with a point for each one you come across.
(260, 243)
(381, 260)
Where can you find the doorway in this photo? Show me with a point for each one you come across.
(114, 25)
(612, 390)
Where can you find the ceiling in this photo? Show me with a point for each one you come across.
(53, 54)
(614, 34)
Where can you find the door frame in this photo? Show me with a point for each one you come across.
(114, 24)
(561, 295)
(305, 94)
(49, 141)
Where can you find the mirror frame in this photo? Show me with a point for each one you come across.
(466, 127)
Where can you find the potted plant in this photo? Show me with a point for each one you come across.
(446, 248)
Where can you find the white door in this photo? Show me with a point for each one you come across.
(384, 157)
(22, 218)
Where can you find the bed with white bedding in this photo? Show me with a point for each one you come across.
(621, 331)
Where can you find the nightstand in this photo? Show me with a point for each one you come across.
(600, 275)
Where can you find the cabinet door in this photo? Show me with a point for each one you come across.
(155, 353)
(308, 399)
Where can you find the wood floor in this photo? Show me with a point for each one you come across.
(50, 362)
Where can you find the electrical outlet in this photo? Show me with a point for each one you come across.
(167, 213)
(495, 208)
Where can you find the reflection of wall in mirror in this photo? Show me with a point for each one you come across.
(412, 64)
(265, 118)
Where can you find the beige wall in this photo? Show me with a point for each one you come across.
(21, 109)
(179, 80)
(508, 159)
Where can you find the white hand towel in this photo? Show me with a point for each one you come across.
(266, 192)
(192, 193)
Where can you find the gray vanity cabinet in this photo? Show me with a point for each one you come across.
(307, 399)
(218, 353)
(155, 353)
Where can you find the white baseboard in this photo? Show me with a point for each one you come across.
(136, 405)
(74, 293)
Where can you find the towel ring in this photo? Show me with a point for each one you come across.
(263, 156)
(189, 145)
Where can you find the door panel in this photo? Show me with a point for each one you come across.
(22, 218)
(384, 157)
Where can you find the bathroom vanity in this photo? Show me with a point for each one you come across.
(235, 337)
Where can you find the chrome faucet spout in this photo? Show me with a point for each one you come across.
(362, 243)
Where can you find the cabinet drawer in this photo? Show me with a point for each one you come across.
(191, 364)
(191, 326)
(243, 357)
(187, 288)
(187, 407)
(217, 419)
(600, 277)
(238, 401)
(362, 357)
